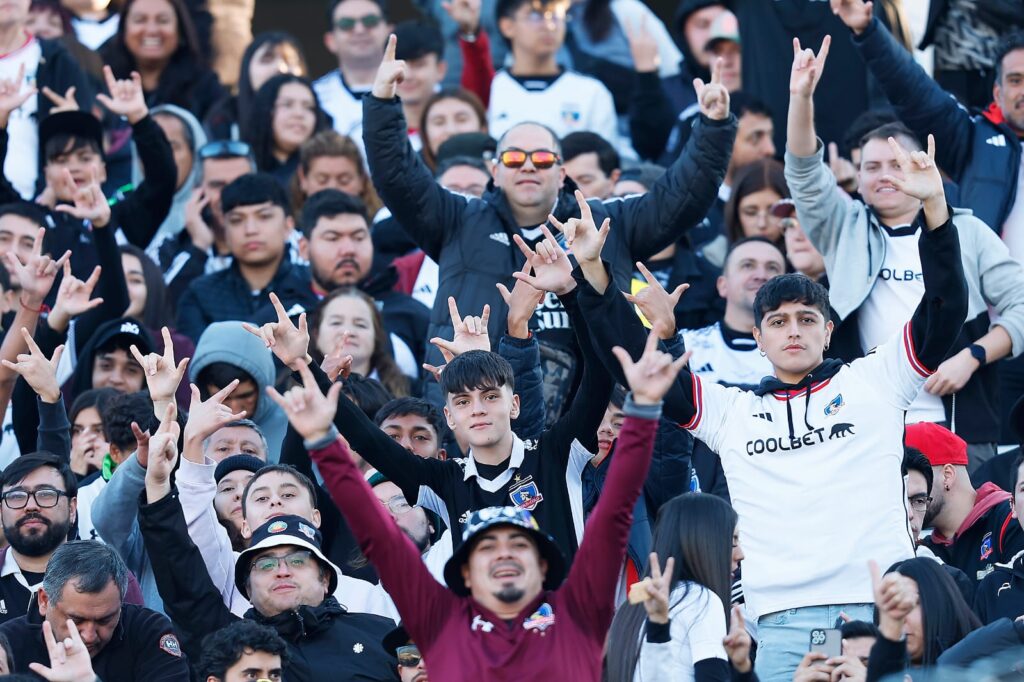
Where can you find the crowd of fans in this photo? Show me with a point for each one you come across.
(538, 338)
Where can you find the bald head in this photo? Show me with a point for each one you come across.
(529, 136)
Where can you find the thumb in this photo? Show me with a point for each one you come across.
(334, 392)
(876, 574)
(833, 153)
(505, 293)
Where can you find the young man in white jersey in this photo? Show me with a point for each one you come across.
(536, 88)
(813, 455)
(870, 247)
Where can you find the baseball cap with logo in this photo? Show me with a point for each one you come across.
(724, 27)
(489, 517)
(940, 445)
(282, 531)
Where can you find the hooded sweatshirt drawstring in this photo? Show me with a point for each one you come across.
(807, 407)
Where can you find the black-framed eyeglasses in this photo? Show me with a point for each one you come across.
(347, 24)
(408, 656)
(920, 502)
(44, 497)
(219, 149)
(294, 561)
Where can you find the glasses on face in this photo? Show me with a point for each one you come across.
(295, 561)
(44, 497)
(538, 18)
(348, 24)
(223, 148)
(920, 502)
(398, 506)
(408, 656)
(788, 224)
(540, 158)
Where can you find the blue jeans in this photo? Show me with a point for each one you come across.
(783, 637)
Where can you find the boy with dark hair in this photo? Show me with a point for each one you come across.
(242, 651)
(918, 471)
(416, 425)
(257, 225)
(592, 163)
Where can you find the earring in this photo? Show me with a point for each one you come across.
(826, 345)
(947, 488)
(763, 354)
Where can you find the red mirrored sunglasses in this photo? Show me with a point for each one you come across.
(516, 158)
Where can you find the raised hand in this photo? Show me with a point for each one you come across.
(552, 270)
(807, 68)
(38, 371)
(658, 589)
(465, 13)
(651, 376)
(643, 46)
(289, 343)
(198, 230)
(36, 273)
(309, 411)
(856, 14)
(74, 297)
(657, 305)
(69, 658)
(920, 176)
(337, 363)
(65, 102)
(390, 73)
(141, 445)
(737, 643)
(126, 96)
(522, 302)
(162, 376)
(13, 94)
(163, 452)
(90, 204)
(895, 597)
(713, 97)
(842, 168)
(470, 334)
(206, 417)
(581, 234)
(814, 667)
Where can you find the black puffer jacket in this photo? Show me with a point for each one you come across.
(471, 239)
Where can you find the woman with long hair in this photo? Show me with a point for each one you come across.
(447, 113)
(285, 114)
(269, 54)
(758, 186)
(330, 160)
(347, 321)
(158, 39)
(698, 532)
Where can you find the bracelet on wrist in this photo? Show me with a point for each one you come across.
(42, 309)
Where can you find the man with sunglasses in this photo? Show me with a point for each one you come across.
(38, 506)
(472, 240)
(411, 667)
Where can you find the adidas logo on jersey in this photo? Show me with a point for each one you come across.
(996, 141)
(500, 237)
(767, 416)
(706, 367)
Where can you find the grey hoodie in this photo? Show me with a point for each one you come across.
(175, 221)
(229, 342)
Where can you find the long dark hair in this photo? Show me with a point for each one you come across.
(754, 177)
(696, 529)
(246, 93)
(258, 127)
(157, 312)
(945, 616)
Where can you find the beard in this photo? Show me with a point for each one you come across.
(933, 510)
(36, 544)
(510, 594)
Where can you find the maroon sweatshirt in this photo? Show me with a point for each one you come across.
(559, 635)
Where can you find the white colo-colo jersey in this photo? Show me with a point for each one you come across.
(725, 360)
(816, 479)
(344, 107)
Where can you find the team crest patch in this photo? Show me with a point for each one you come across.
(169, 643)
(277, 527)
(526, 495)
(570, 115)
(541, 619)
(986, 546)
(307, 531)
(834, 405)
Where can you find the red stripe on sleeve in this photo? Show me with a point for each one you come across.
(698, 404)
(915, 362)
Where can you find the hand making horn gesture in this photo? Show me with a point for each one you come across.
(713, 97)
(807, 67)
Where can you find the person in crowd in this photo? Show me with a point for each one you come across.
(921, 614)
(691, 28)
(356, 33)
(324, 639)
(758, 187)
(285, 114)
(416, 425)
(973, 529)
(201, 248)
(877, 235)
(535, 88)
(51, 68)
(94, 21)
(987, 173)
(592, 163)
(85, 587)
(417, 523)
(679, 626)
(226, 353)
(186, 136)
(269, 54)
(745, 428)
(800, 252)
(505, 566)
(332, 161)
(243, 651)
(858, 638)
(529, 186)
(336, 241)
(449, 112)
(157, 39)
(51, 20)
(88, 444)
(920, 479)
(411, 666)
(1000, 594)
(423, 53)
(257, 225)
